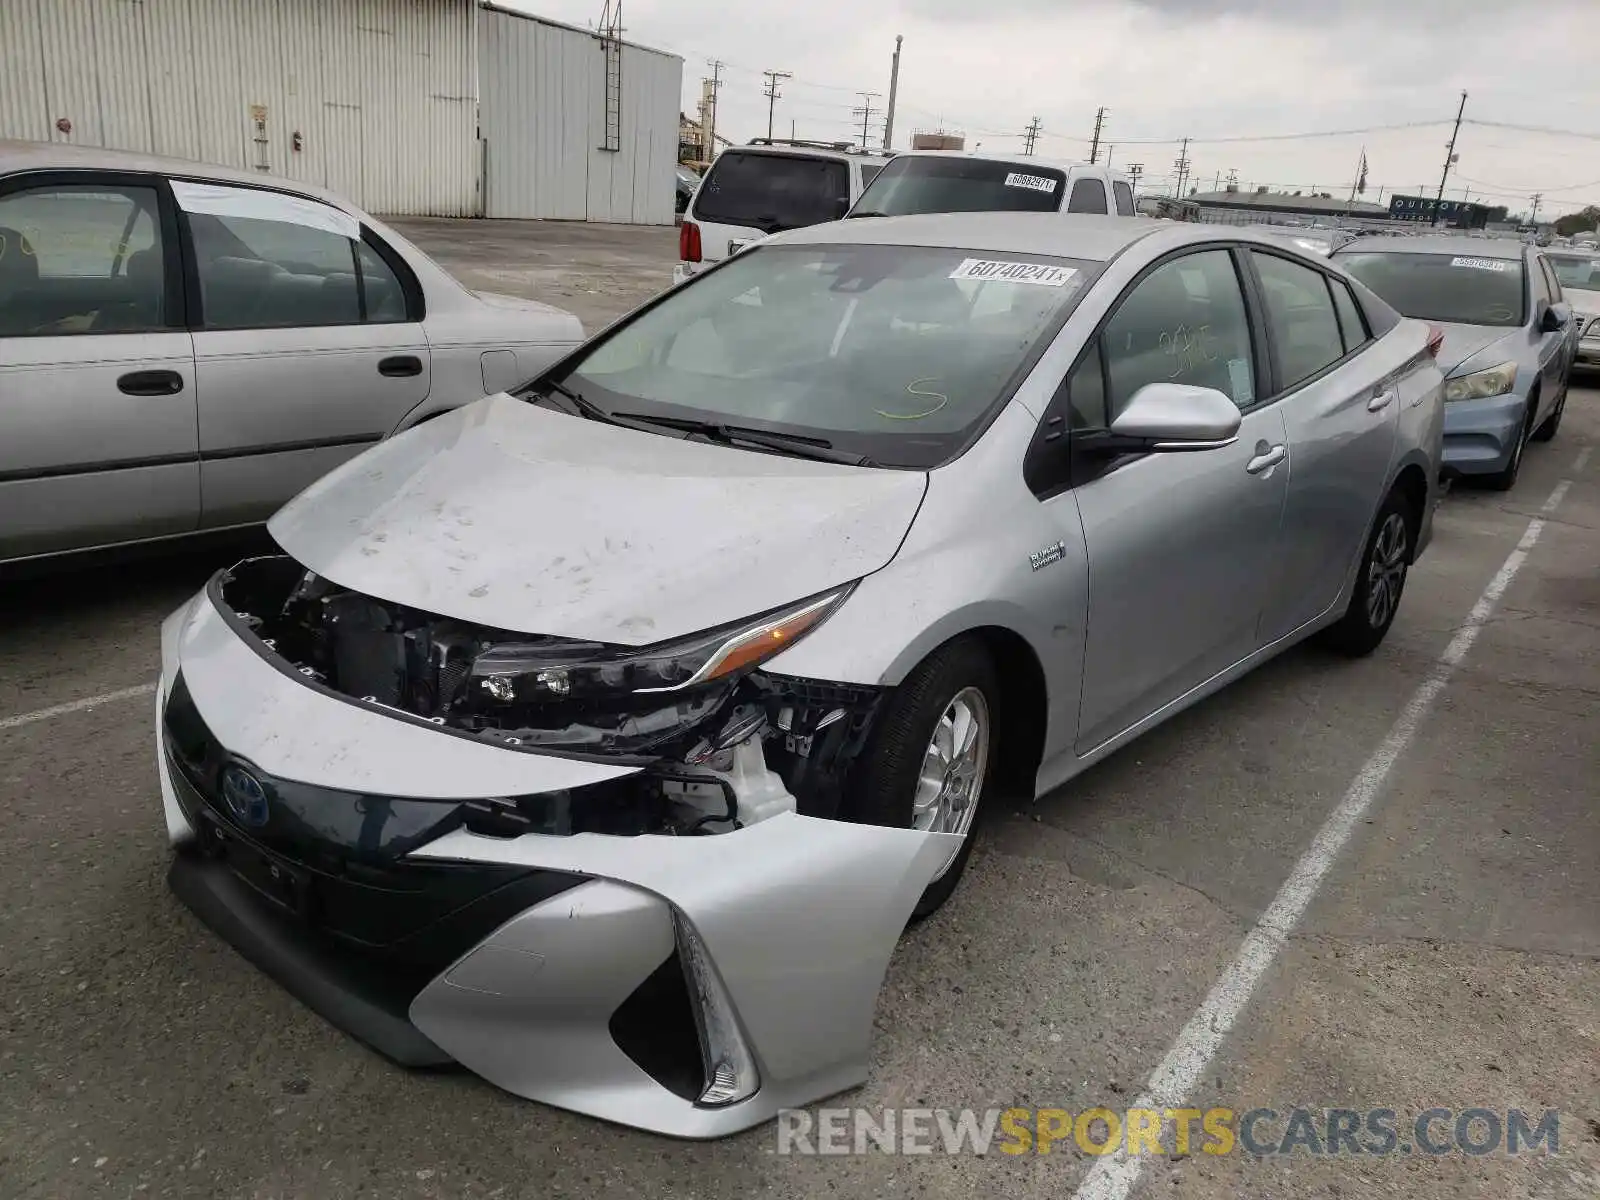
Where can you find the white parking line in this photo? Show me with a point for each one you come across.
(1582, 461)
(1114, 1176)
(72, 706)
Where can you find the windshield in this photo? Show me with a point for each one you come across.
(773, 192)
(1444, 287)
(1577, 272)
(912, 184)
(895, 353)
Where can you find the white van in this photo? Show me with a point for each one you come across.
(766, 187)
(937, 181)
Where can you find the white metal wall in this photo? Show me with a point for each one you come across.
(543, 122)
(383, 92)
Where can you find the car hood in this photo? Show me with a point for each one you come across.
(1465, 342)
(513, 516)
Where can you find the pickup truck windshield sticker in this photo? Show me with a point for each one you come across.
(1037, 183)
(1481, 264)
(1014, 272)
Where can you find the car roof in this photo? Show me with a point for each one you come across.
(1438, 244)
(18, 156)
(1091, 237)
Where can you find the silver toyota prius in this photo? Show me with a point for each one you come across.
(602, 736)
(1509, 339)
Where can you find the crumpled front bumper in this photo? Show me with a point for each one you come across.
(769, 942)
(1479, 435)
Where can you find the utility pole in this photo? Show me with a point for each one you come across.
(1110, 150)
(865, 113)
(1449, 157)
(1030, 135)
(1134, 171)
(1233, 179)
(774, 78)
(1094, 144)
(1181, 166)
(716, 85)
(1533, 217)
(894, 90)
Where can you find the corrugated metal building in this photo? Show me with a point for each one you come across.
(576, 127)
(377, 99)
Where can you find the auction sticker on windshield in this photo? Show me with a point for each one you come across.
(1481, 264)
(1037, 183)
(1014, 272)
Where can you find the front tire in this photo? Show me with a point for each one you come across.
(1380, 581)
(1547, 431)
(930, 762)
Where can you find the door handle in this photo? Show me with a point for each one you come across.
(1381, 399)
(1267, 459)
(150, 383)
(400, 366)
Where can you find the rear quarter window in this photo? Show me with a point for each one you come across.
(1088, 196)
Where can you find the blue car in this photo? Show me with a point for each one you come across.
(1509, 339)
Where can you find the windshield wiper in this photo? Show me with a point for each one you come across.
(797, 444)
(583, 406)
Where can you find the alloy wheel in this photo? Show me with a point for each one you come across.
(954, 765)
(1386, 570)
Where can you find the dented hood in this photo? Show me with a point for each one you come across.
(509, 515)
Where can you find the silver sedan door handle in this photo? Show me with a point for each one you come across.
(1267, 459)
(1381, 399)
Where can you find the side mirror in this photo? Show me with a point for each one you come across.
(1178, 416)
(1555, 318)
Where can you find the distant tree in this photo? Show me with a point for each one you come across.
(1578, 222)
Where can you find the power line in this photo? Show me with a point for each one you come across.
(1574, 133)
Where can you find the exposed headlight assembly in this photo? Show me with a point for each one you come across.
(1480, 385)
(553, 669)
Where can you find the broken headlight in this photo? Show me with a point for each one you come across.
(551, 669)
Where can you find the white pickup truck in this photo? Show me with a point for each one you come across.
(935, 181)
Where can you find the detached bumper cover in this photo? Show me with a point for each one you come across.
(546, 964)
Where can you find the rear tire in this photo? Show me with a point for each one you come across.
(951, 695)
(1380, 581)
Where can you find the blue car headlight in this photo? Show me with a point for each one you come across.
(1480, 385)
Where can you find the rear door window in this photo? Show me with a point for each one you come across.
(773, 192)
(1088, 196)
(81, 259)
(1124, 195)
(1301, 313)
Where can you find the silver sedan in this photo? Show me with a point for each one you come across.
(183, 347)
(602, 737)
(1509, 339)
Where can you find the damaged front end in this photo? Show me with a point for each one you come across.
(722, 744)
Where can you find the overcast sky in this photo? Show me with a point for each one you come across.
(1211, 69)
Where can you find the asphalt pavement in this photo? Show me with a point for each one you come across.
(1358, 886)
